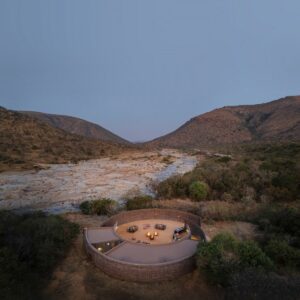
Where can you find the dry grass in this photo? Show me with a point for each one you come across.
(222, 210)
(218, 216)
(180, 204)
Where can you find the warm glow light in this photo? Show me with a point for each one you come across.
(156, 233)
(148, 233)
(99, 249)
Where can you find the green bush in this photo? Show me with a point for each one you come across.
(85, 207)
(217, 259)
(102, 206)
(283, 254)
(139, 202)
(252, 256)
(198, 190)
(224, 256)
(280, 223)
(176, 186)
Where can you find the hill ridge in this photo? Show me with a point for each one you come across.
(77, 126)
(27, 141)
(275, 120)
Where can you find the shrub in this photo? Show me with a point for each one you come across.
(30, 247)
(283, 223)
(226, 197)
(167, 159)
(224, 256)
(283, 254)
(253, 285)
(217, 258)
(198, 190)
(139, 202)
(85, 207)
(252, 256)
(176, 186)
(224, 159)
(102, 206)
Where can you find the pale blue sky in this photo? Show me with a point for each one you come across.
(142, 68)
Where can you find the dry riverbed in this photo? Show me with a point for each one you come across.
(63, 187)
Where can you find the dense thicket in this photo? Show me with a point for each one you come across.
(30, 247)
(225, 256)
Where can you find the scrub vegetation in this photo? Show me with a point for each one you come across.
(102, 206)
(263, 173)
(30, 248)
(224, 256)
(260, 184)
(139, 202)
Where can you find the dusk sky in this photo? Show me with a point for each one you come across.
(142, 68)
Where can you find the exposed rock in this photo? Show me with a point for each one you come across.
(60, 187)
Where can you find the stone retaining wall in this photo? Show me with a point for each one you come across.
(152, 213)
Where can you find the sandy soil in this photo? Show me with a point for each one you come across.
(62, 187)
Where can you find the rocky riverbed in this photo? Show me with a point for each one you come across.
(60, 188)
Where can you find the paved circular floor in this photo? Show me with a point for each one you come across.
(148, 225)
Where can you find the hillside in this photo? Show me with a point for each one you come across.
(26, 141)
(78, 126)
(278, 120)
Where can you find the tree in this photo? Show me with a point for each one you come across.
(198, 190)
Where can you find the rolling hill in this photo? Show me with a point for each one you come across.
(278, 120)
(77, 126)
(26, 141)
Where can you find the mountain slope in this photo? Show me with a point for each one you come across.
(26, 141)
(276, 120)
(77, 126)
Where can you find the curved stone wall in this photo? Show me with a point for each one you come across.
(145, 272)
(152, 213)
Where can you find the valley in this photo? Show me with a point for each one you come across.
(237, 168)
